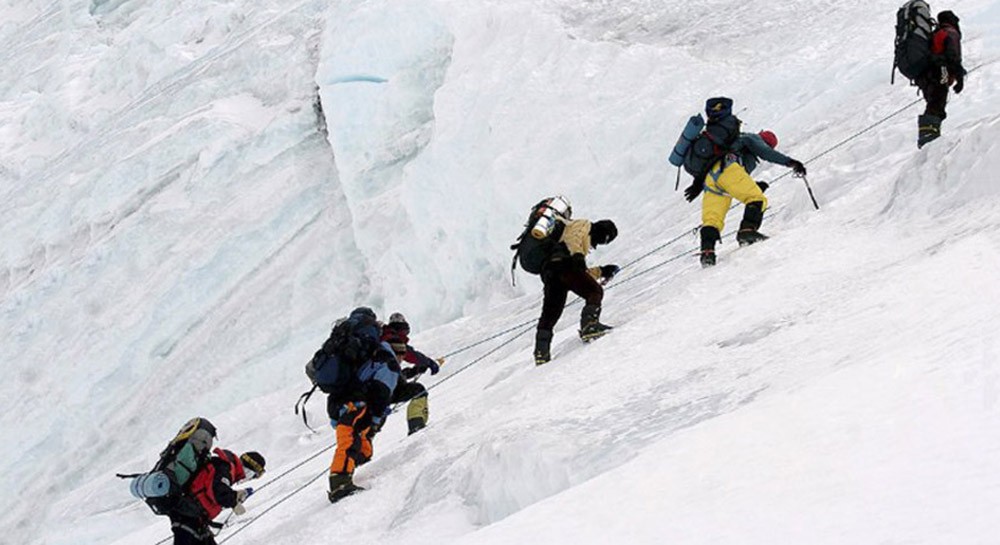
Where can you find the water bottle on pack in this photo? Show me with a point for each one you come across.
(556, 206)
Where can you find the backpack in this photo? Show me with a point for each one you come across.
(352, 341)
(914, 27)
(540, 238)
(164, 487)
(333, 368)
(715, 140)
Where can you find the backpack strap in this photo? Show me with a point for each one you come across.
(513, 265)
(516, 246)
(303, 399)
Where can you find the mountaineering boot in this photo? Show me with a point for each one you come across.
(341, 486)
(416, 414)
(543, 344)
(591, 327)
(748, 234)
(928, 129)
(708, 237)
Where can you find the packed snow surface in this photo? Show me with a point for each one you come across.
(192, 192)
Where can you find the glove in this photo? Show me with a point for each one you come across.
(763, 186)
(959, 85)
(609, 271)
(239, 510)
(797, 167)
(693, 190)
(409, 372)
(243, 494)
(434, 366)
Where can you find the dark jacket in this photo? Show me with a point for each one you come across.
(750, 148)
(946, 51)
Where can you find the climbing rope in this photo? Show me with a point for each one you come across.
(525, 326)
(272, 506)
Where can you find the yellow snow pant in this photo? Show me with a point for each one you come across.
(724, 185)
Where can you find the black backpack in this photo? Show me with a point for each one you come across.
(352, 341)
(533, 252)
(715, 140)
(164, 488)
(333, 368)
(914, 27)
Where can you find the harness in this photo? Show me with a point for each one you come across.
(712, 180)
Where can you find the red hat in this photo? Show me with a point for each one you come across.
(769, 138)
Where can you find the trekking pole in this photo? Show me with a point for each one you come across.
(810, 190)
(677, 184)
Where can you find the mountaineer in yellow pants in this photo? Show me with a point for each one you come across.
(730, 179)
(397, 334)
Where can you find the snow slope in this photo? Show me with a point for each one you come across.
(185, 231)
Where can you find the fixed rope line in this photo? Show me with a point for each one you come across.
(524, 325)
(272, 506)
(657, 249)
(675, 257)
(883, 120)
(527, 326)
(293, 468)
(487, 339)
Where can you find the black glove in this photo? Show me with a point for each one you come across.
(959, 85)
(409, 372)
(693, 190)
(609, 271)
(797, 167)
(763, 186)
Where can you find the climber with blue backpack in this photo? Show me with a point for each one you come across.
(358, 372)
(720, 158)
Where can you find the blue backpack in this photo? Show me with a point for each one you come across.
(334, 367)
(351, 343)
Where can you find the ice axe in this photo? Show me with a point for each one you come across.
(810, 190)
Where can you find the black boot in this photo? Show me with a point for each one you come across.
(591, 327)
(753, 214)
(928, 129)
(341, 486)
(708, 237)
(543, 344)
